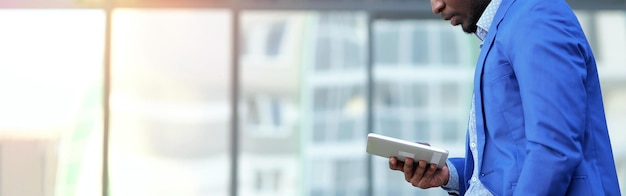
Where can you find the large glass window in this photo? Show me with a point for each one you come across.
(316, 78)
(51, 102)
(170, 108)
(270, 79)
(334, 102)
(420, 50)
(424, 102)
(302, 100)
(386, 46)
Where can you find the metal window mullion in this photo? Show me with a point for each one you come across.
(234, 140)
(370, 90)
(108, 8)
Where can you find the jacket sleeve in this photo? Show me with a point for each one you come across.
(549, 59)
(456, 184)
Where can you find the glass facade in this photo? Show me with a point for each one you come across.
(304, 96)
(169, 102)
(335, 105)
(269, 103)
(51, 102)
(421, 91)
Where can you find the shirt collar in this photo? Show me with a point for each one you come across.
(485, 20)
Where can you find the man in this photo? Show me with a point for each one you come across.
(537, 124)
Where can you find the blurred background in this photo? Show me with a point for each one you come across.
(243, 97)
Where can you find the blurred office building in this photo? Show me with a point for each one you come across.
(170, 113)
(304, 93)
(270, 103)
(418, 95)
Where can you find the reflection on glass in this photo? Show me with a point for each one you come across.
(320, 101)
(419, 95)
(169, 102)
(449, 49)
(450, 94)
(344, 175)
(418, 103)
(346, 130)
(290, 138)
(334, 115)
(390, 125)
(50, 107)
(386, 45)
(353, 53)
(270, 85)
(319, 135)
(450, 130)
(420, 51)
(383, 94)
(322, 54)
(422, 130)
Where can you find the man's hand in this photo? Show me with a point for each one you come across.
(420, 174)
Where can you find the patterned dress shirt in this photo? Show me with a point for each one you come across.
(475, 186)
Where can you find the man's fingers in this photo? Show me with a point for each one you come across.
(408, 169)
(394, 164)
(426, 181)
(419, 173)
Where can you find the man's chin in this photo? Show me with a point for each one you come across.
(469, 29)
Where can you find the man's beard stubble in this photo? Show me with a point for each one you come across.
(478, 7)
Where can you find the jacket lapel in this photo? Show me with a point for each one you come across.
(478, 74)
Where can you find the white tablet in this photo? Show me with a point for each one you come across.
(387, 147)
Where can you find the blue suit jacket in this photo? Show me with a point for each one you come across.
(539, 114)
